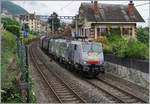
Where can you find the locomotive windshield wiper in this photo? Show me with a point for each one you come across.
(91, 48)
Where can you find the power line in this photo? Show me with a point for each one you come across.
(142, 4)
(66, 5)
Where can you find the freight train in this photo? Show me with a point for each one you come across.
(84, 56)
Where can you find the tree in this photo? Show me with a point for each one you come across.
(11, 25)
(54, 22)
(9, 21)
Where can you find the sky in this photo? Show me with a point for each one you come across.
(70, 8)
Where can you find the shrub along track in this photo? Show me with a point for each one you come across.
(62, 92)
(122, 96)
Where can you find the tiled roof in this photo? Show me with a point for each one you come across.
(110, 13)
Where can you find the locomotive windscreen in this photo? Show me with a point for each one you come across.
(91, 47)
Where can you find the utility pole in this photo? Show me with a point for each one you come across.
(76, 26)
(52, 23)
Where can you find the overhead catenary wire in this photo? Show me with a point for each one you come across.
(66, 5)
(141, 4)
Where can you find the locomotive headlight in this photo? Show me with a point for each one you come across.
(84, 62)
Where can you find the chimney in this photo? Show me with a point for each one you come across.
(94, 5)
(131, 8)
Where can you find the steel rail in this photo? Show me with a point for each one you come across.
(63, 82)
(105, 91)
(115, 87)
(57, 76)
(37, 67)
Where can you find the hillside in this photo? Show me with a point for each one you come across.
(13, 8)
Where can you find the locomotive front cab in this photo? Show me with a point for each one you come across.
(92, 58)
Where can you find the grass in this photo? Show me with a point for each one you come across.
(11, 92)
(8, 78)
(8, 45)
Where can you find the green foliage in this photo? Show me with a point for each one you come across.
(124, 47)
(13, 8)
(114, 32)
(119, 46)
(11, 96)
(137, 50)
(8, 46)
(14, 29)
(34, 33)
(11, 93)
(8, 21)
(55, 21)
(12, 26)
(143, 35)
(8, 40)
(114, 37)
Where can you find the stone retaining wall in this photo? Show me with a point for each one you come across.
(129, 74)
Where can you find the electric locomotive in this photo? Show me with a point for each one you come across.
(86, 57)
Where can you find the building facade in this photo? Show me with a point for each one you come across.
(97, 19)
(34, 22)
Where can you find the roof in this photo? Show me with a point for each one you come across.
(110, 13)
(28, 16)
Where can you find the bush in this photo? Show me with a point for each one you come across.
(124, 47)
(13, 29)
(136, 49)
(114, 32)
(113, 38)
(143, 35)
(119, 46)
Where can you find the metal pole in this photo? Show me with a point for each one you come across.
(52, 24)
(27, 64)
(76, 26)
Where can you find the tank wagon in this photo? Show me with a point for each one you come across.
(86, 57)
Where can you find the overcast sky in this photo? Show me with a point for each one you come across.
(65, 8)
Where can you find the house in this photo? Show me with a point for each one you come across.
(97, 19)
(32, 20)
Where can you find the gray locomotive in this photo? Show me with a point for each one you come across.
(86, 57)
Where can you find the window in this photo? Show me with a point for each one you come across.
(101, 31)
(127, 31)
(91, 47)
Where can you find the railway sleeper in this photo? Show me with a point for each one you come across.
(126, 97)
(131, 101)
(68, 96)
(69, 99)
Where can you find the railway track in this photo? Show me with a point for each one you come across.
(120, 95)
(62, 92)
